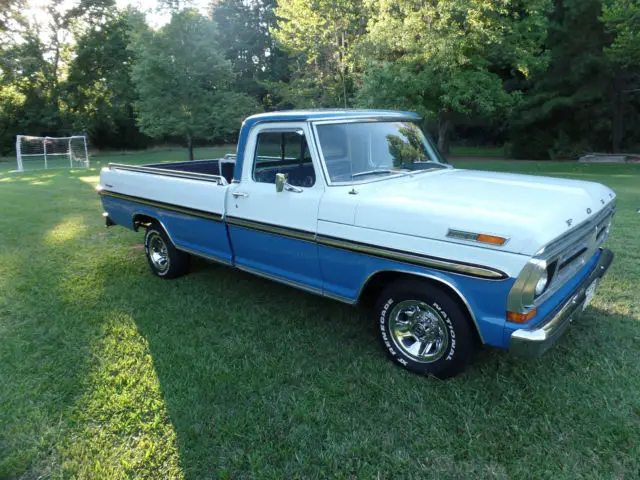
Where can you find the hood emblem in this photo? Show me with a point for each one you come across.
(486, 238)
(569, 222)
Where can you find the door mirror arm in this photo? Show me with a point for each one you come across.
(282, 184)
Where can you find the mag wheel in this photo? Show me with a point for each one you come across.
(424, 329)
(164, 258)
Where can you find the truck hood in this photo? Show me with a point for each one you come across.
(529, 211)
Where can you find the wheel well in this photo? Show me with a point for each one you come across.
(140, 219)
(378, 281)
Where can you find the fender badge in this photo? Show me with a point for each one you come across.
(569, 222)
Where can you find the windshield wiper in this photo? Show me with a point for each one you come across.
(429, 162)
(432, 166)
(379, 170)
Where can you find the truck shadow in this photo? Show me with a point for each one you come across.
(254, 374)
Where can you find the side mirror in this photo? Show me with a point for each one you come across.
(281, 181)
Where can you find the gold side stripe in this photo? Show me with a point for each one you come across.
(415, 259)
(166, 206)
(423, 261)
(269, 228)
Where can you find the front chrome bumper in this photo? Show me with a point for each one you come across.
(533, 342)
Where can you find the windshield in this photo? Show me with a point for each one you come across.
(368, 150)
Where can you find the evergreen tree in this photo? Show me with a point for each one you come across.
(244, 34)
(568, 109)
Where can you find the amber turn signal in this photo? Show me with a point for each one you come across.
(492, 239)
(517, 317)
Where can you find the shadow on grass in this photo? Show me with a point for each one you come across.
(264, 381)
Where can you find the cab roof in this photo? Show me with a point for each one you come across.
(326, 114)
(309, 115)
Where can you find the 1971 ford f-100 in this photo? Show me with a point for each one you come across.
(358, 205)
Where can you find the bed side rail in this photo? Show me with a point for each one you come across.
(217, 179)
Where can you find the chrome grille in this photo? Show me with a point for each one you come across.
(572, 251)
(560, 260)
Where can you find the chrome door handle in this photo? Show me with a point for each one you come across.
(291, 188)
(240, 194)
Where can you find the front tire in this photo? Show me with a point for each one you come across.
(424, 329)
(165, 260)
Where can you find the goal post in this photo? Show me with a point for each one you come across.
(34, 153)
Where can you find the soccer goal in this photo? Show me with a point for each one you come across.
(51, 152)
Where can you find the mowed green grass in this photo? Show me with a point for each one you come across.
(466, 151)
(109, 372)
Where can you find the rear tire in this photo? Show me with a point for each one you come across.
(424, 329)
(165, 260)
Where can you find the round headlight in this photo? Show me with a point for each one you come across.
(541, 285)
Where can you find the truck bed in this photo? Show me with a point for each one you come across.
(219, 166)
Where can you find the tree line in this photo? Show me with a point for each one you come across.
(547, 78)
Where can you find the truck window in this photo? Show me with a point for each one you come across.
(283, 152)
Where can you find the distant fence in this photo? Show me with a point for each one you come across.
(610, 158)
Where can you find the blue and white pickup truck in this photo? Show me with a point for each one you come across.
(358, 206)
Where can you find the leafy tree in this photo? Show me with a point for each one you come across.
(446, 58)
(10, 17)
(244, 34)
(29, 90)
(622, 18)
(100, 92)
(321, 36)
(33, 59)
(184, 83)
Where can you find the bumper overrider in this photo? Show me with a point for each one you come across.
(532, 342)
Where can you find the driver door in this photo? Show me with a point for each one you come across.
(273, 233)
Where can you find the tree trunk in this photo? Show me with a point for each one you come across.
(344, 73)
(190, 146)
(617, 123)
(443, 133)
(344, 91)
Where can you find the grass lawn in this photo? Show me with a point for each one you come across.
(109, 372)
(461, 151)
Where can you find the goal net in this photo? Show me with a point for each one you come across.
(51, 152)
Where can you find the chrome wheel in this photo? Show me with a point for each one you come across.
(158, 252)
(418, 331)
